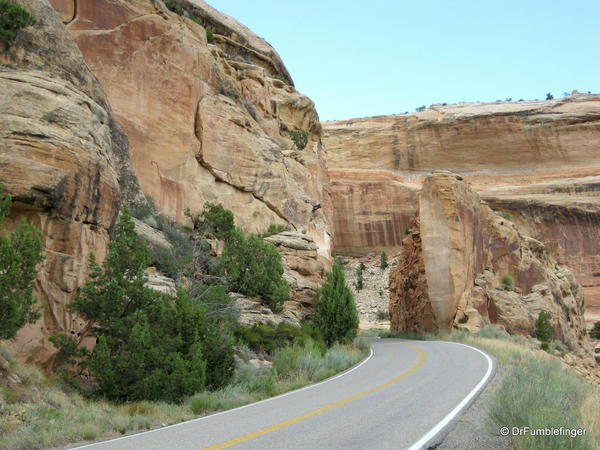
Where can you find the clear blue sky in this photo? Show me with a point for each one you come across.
(364, 58)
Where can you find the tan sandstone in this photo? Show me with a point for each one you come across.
(453, 264)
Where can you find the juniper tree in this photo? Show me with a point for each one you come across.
(20, 252)
(335, 311)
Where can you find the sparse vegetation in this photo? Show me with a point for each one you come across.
(210, 35)
(508, 283)
(504, 214)
(549, 96)
(273, 229)
(420, 108)
(300, 138)
(359, 277)
(13, 17)
(20, 253)
(174, 6)
(543, 330)
(335, 310)
(283, 79)
(383, 264)
(383, 314)
(595, 331)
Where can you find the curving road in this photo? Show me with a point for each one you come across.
(403, 396)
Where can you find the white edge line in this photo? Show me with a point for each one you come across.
(285, 394)
(446, 420)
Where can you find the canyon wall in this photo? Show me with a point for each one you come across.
(463, 266)
(64, 160)
(537, 160)
(206, 121)
(105, 101)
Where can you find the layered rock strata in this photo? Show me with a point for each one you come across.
(537, 160)
(64, 160)
(207, 121)
(463, 266)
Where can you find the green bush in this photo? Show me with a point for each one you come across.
(549, 96)
(508, 282)
(283, 79)
(595, 332)
(253, 267)
(504, 214)
(383, 264)
(266, 338)
(359, 277)
(214, 220)
(300, 138)
(174, 6)
(273, 229)
(383, 314)
(149, 344)
(210, 36)
(13, 17)
(335, 311)
(543, 330)
(19, 255)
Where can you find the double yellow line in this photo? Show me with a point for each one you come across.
(329, 407)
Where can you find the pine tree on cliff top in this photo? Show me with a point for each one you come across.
(335, 311)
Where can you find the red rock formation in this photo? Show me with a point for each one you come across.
(453, 271)
(206, 121)
(537, 160)
(65, 162)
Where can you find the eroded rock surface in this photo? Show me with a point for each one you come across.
(64, 160)
(463, 266)
(538, 160)
(207, 121)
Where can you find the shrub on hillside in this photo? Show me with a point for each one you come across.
(543, 330)
(13, 17)
(508, 283)
(359, 277)
(214, 220)
(335, 311)
(300, 138)
(174, 6)
(19, 255)
(383, 264)
(253, 267)
(595, 332)
(149, 344)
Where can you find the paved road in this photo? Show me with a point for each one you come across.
(394, 400)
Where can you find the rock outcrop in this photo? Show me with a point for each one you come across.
(463, 266)
(538, 160)
(206, 121)
(303, 270)
(64, 160)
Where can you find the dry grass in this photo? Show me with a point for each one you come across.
(43, 412)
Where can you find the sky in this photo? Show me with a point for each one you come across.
(375, 57)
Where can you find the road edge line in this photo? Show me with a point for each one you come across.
(431, 434)
(285, 394)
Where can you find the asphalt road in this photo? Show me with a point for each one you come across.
(403, 396)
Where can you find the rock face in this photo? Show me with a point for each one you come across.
(463, 266)
(304, 271)
(64, 160)
(206, 121)
(536, 160)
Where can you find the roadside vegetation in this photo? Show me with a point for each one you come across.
(160, 359)
(535, 391)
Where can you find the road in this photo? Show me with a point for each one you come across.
(403, 396)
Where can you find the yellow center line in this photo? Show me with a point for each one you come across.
(329, 407)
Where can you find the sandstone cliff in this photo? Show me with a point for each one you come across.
(537, 160)
(65, 161)
(206, 121)
(463, 266)
(95, 83)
